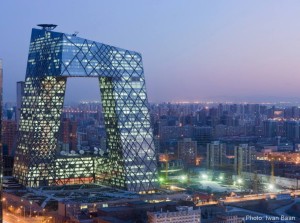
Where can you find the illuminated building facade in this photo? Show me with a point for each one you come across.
(182, 214)
(187, 151)
(53, 57)
(20, 93)
(243, 158)
(216, 153)
(68, 134)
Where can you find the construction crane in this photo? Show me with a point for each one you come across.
(272, 158)
(272, 170)
(166, 165)
(165, 159)
(255, 186)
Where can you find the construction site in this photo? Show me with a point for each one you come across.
(246, 171)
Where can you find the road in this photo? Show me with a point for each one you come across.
(279, 211)
(233, 200)
(229, 200)
(234, 209)
(282, 210)
(11, 218)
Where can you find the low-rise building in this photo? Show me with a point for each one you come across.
(183, 214)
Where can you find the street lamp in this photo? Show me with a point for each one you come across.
(240, 182)
(271, 187)
(161, 179)
(204, 176)
(183, 177)
(21, 210)
(4, 201)
(30, 207)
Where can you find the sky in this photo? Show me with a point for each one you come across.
(192, 50)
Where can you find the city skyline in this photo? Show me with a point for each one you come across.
(202, 48)
(186, 109)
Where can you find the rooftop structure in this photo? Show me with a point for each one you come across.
(183, 214)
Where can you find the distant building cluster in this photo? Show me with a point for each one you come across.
(186, 135)
(232, 137)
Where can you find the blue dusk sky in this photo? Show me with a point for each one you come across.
(192, 49)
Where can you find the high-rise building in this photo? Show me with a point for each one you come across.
(187, 151)
(175, 132)
(9, 132)
(216, 154)
(270, 128)
(53, 57)
(203, 134)
(68, 135)
(244, 156)
(1, 158)
(20, 93)
(292, 130)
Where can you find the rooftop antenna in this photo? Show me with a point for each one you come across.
(47, 27)
(75, 33)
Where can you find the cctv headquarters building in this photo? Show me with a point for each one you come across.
(130, 161)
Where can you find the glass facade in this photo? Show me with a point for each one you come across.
(131, 163)
(76, 170)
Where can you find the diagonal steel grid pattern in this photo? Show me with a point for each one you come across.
(131, 161)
